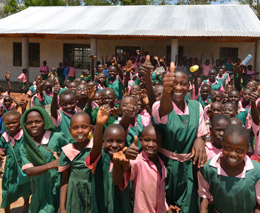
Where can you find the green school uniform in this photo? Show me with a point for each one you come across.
(118, 88)
(61, 90)
(93, 116)
(32, 89)
(60, 75)
(222, 80)
(135, 130)
(242, 116)
(204, 103)
(79, 185)
(64, 125)
(47, 100)
(232, 194)
(214, 86)
(179, 134)
(46, 186)
(44, 76)
(106, 197)
(11, 191)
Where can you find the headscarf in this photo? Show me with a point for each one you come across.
(32, 152)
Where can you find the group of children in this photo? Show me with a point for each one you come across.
(137, 137)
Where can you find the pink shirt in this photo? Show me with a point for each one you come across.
(148, 185)
(22, 77)
(206, 69)
(44, 70)
(211, 150)
(146, 118)
(2, 98)
(72, 72)
(163, 120)
(204, 185)
(256, 129)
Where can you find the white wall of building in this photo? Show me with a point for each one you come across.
(52, 51)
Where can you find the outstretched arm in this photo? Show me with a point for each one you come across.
(37, 170)
(64, 190)
(54, 102)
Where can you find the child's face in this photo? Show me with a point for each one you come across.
(229, 110)
(217, 108)
(7, 102)
(68, 103)
(158, 91)
(212, 75)
(181, 87)
(81, 91)
(221, 72)
(246, 94)
(135, 90)
(48, 87)
(80, 128)
(151, 142)
(114, 140)
(12, 124)
(205, 91)
(34, 124)
(252, 86)
(108, 97)
(234, 150)
(72, 86)
(128, 102)
(207, 62)
(112, 72)
(101, 78)
(100, 68)
(234, 97)
(199, 81)
(216, 96)
(97, 98)
(218, 128)
(228, 88)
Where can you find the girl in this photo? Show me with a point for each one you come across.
(204, 98)
(75, 192)
(105, 195)
(145, 169)
(39, 158)
(183, 126)
(231, 177)
(11, 190)
(23, 79)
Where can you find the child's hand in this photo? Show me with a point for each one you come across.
(120, 158)
(54, 164)
(126, 92)
(144, 97)
(91, 91)
(147, 67)
(114, 111)
(7, 76)
(198, 153)
(103, 115)
(174, 209)
(92, 57)
(129, 66)
(253, 96)
(132, 151)
(23, 104)
(129, 111)
(169, 80)
(56, 89)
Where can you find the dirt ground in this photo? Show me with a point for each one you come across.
(16, 207)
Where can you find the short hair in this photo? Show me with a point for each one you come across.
(114, 126)
(235, 130)
(220, 117)
(68, 92)
(157, 130)
(234, 90)
(235, 120)
(205, 85)
(234, 105)
(81, 114)
(182, 71)
(10, 113)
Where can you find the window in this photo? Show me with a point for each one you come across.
(34, 54)
(130, 51)
(226, 52)
(77, 55)
(17, 54)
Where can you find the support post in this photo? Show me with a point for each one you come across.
(174, 50)
(93, 49)
(25, 56)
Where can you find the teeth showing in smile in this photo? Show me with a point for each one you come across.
(80, 136)
(177, 93)
(232, 160)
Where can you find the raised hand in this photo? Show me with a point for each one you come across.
(144, 97)
(8, 75)
(169, 79)
(119, 157)
(129, 66)
(23, 103)
(129, 111)
(103, 115)
(147, 67)
(132, 151)
(57, 87)
(91, 91)
(253, 96)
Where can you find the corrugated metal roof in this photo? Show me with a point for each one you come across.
(169, 21)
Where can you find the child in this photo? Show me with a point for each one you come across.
(52, 74)
(223, 77)
(97, 98)
(32, 89)
(11, 190)
(101, 79)
(23, 80)
(40, 160)
(230, 109)
(219, 124)
(231, 177)
(245, 99)
(44, 70)
(106, 197)
(206, 67)
(204, 98)
(61, 117)
(43, 94)
(145, 169)
(158, 90)
(71, 73)
(215, 84)
(75, 192)
(212, 109)
(60, 75)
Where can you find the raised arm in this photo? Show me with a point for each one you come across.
(37, 170)
(92, 57)
(128, 69)
(255, 114)
(64, 190)
(7, 78)
(54, 102)
(119, 70)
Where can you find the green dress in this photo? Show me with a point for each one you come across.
(60, 75)
(46, 186)
(135, 130)
(106, 197)
(179, 134)
(36, 102)
(204, 103)
(118, 88)
(79, 185)
(232, 194)
(242, 116)
(64, 125)
(11, 191)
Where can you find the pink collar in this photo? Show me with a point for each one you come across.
(178, 111)
(216, 82)
(70, 151)
(210, 146)
(9, 108)
(248, 165)
(45, 138)
(111, 82)
(69, 115)
(18, 136)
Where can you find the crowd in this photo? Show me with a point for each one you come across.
(134, 134)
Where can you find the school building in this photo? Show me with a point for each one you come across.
(62, 34)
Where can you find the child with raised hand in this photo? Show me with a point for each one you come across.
(146, 170)
(75, 192)
(204, 98)
(61, 117)
(10, 144)
(40, 159)
(223, 76)
(219, 124)
(231, 177)
(215, 84)
(106, 197)
(44, 94)
(32, 89)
